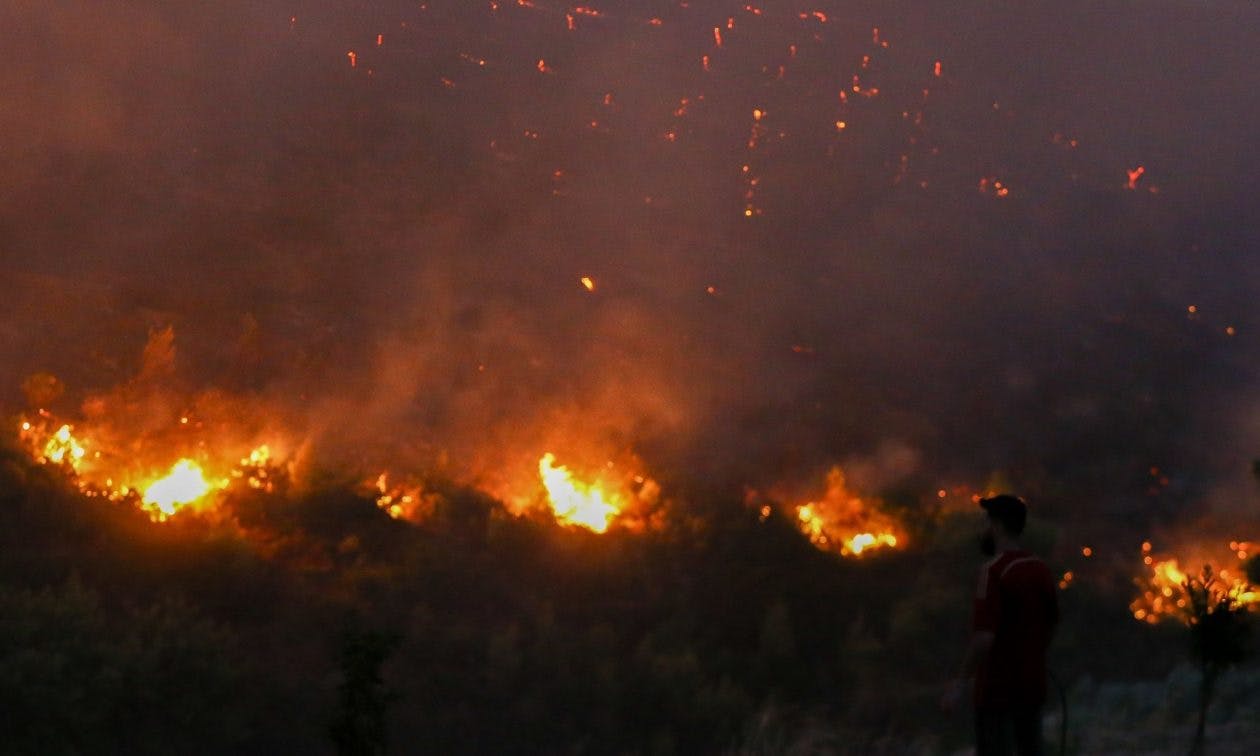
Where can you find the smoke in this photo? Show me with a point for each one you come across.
(386, 258)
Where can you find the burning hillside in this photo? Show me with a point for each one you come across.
(184, 485)
(599, 350)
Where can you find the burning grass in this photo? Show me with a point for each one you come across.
(1165, 589)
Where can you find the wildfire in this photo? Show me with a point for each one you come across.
(403, 501)
(62, 448)
(842, 522)
(574, 502)
(185, 484)
(101, 473)
(1164, 588)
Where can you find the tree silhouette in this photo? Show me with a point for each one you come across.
(359, 726)
(1219, 633)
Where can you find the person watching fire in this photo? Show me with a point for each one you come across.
(1013, 618)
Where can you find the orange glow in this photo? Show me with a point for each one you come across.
(354, 58)
(574, 502)
(717, 36)
(936, 69)
(588, 283)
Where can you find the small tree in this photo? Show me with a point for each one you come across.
(1219, 632)
(359, 726)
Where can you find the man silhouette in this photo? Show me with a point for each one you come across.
(1013, 616)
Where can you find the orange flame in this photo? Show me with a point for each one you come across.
(1163, 589)
(845, 523)
(126, 479)
(184, 485)
(574, 502)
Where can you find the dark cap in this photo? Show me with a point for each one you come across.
(1008, 509)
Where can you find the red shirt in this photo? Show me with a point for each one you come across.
(1016, 601)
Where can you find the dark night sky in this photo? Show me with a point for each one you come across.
(387, 257)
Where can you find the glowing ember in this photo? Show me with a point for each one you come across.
(575, 502)
(183, 485)
(992, 186)
(1135, 174)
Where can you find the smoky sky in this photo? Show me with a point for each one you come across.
(388, 251)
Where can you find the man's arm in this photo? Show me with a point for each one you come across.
(984, 623)
(977, 652)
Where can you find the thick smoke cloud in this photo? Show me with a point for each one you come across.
(388, 255)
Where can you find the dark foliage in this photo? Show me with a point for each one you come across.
(477, 631)
(1219, 638)
(363, 699)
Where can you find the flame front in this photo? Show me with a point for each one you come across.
(183, 485)
(574, 502)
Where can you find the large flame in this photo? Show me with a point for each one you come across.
(574, 502)
(185, 484)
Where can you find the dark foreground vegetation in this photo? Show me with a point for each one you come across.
(309, 622)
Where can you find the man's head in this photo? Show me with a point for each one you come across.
(1007, 512)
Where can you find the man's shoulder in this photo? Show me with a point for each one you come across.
(1022, 566)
